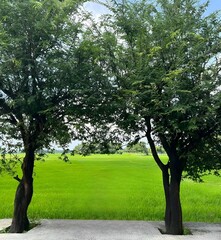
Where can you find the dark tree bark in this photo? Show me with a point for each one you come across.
(23, 196)
(171, 174)
(166, 186)
(173, 211)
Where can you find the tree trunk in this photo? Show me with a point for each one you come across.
(172, 174)
(166, 186)
(173, 212)
(23, 195)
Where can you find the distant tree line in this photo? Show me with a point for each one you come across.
(89, 148)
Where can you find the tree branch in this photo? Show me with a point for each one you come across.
(17, 178)
(152, 145)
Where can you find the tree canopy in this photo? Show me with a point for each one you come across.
(168, 72)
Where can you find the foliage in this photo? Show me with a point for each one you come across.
(34, 70)
(140, 147)
(50, 74)
(160, 150)
(167, 67)
(9, 156)
(87, 148)
(209, 150)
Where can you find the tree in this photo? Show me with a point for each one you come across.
(34, 83)
(46, 83)
(167, 68)
(137, 148)
(87, 148)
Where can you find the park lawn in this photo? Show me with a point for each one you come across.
(127, 186)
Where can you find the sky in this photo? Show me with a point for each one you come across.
(214, 5)
(98, 9)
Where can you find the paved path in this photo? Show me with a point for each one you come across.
(109, 230)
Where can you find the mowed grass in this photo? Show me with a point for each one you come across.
(119, 187)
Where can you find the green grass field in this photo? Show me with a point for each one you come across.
(124, 186)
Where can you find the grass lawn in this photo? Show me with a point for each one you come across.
(124, 186)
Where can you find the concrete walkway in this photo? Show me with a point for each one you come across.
(109, 230)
